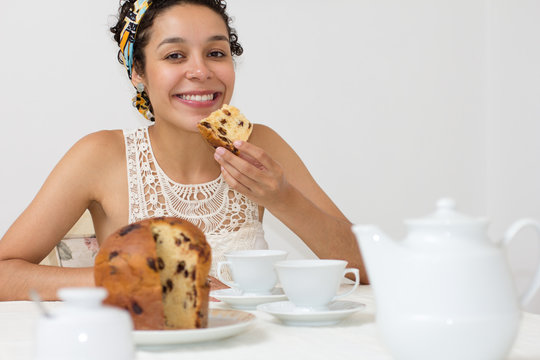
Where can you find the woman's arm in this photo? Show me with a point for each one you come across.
(67, 192)
(270, 173)
(18, 276)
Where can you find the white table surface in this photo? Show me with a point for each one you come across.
(355, 337)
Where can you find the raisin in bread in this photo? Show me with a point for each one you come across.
(224, 126)
(157, 269)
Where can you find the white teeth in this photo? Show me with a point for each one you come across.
(207, 97)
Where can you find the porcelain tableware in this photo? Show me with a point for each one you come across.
(252, 271)
(221, 324)
(238, 300)
(457, 299)
(290, 314)
(314, 283)
(83, 329)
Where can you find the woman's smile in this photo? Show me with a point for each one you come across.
(200, 99)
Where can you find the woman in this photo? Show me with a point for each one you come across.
(179, 57)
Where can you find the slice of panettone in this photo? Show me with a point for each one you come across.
(224, 126)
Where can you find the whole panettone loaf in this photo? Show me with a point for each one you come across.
(224, 126)
(157, 269)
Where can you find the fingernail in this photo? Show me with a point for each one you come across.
(238, 143)
(220, 151)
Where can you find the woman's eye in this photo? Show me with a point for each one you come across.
(216, 53)
(175, 56)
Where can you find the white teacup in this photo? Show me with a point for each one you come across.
(313, 284)
(252, 270)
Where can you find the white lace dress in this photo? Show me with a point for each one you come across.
(229, 219)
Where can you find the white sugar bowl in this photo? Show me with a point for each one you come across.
(83, 328)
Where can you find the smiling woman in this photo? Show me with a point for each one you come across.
(175, 51)
(179, 57)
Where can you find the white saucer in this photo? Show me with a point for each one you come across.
(237, 300)
(289, 314)
(221, 324)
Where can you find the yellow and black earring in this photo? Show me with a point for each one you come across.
(141, 101)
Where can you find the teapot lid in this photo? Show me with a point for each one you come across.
(446, 214)
(446, 228)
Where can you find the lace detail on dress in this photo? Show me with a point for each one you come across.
(229, 219)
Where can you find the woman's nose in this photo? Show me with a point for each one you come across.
(198, 70)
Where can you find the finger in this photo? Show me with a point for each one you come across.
(236, 165)
(249, 181)
(251, 160)
(234, 183)
(254, 152)
(245, 177)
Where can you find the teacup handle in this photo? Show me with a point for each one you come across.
(508, 237)
(220, 266)
(356, 282)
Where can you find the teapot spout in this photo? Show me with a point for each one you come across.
(378, 252)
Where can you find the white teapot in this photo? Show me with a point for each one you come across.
(82, 328)
(445, 291)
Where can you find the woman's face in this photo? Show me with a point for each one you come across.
(189, 69)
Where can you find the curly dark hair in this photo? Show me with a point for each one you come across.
(157, 7)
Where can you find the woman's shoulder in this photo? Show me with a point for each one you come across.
(91, 162)
(102, 137)
(103, 140)
(102, 146)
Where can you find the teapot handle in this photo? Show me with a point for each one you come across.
(508, 237)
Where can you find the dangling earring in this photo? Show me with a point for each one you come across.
(141, 101)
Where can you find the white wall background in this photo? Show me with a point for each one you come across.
(391, 104)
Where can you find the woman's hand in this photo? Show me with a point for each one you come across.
(215, 284)
(253, 173)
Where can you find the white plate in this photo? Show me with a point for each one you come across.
(289, 314)
(237, 300)
(221, 324)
